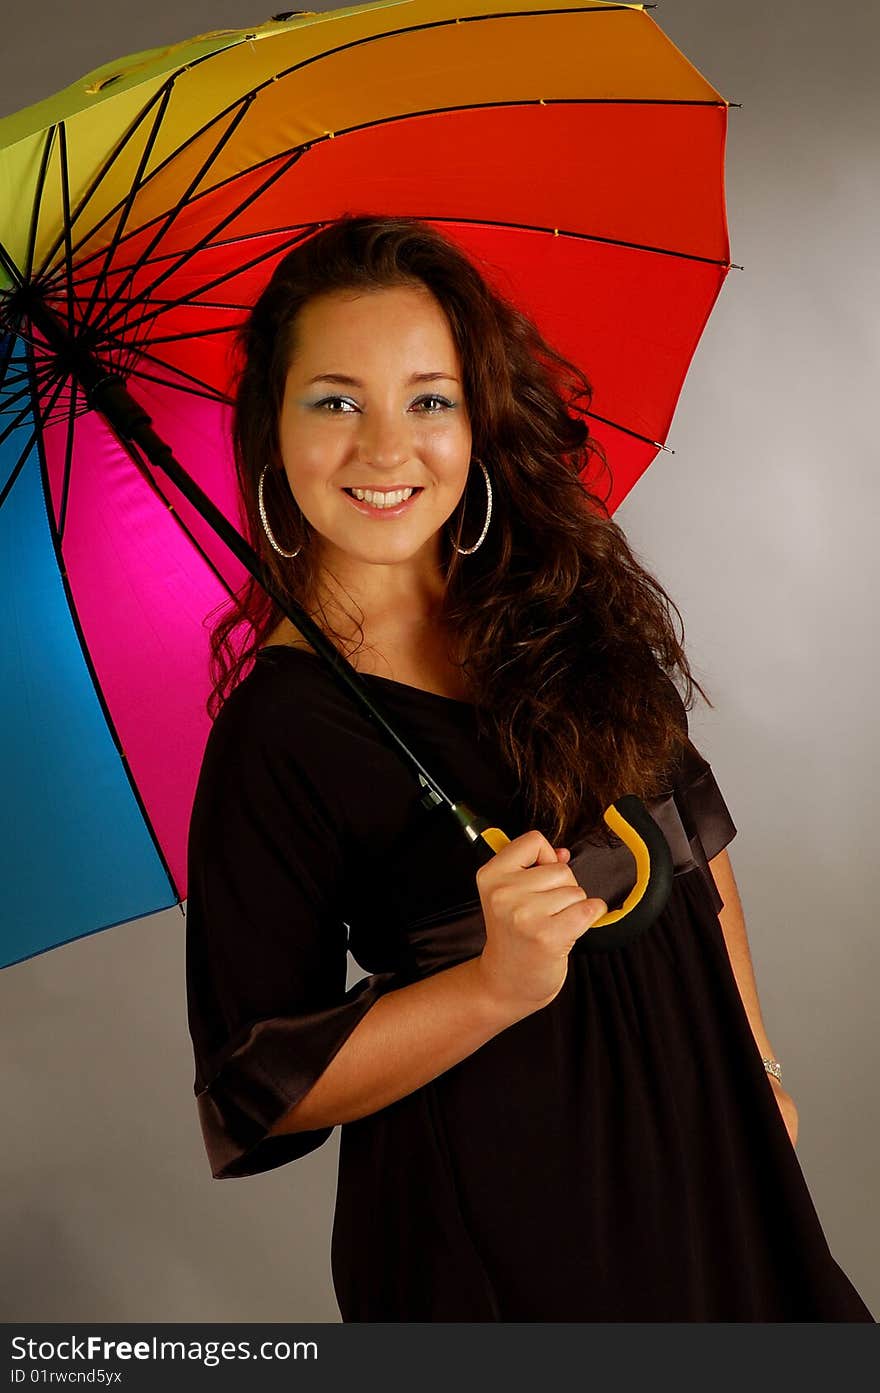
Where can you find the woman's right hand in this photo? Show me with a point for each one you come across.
(535, 911)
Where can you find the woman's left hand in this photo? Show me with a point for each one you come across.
(787, 1107)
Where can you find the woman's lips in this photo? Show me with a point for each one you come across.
(369, 511)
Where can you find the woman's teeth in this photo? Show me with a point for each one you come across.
(381, 500)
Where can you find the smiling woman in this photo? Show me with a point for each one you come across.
(533, 1128)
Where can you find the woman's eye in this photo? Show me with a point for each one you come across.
(345, 405)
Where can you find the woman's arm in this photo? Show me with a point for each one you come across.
(408, 1037)
(733, 926)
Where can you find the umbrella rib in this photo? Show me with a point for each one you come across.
(637, 435)
(383, 121)
(577, 236)
(218, 245)
(38, 200)
(9, 399)
(17, 467)
(143, 465)
(198, 387)
(191, 304)
(168, 219)
(8, 353)
(292, 159)
(9, 263)
(206, 333)
(202, 391)
(65, 199)
(20, 417)
(12, 379)
(129, 202)
(68, 458)
(27, 337)
(99, 178)
(297, 232)
(97, 181)
(34, 436)
(21, 373)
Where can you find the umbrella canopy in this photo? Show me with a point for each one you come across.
(571, 151)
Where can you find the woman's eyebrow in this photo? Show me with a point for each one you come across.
(345, 381)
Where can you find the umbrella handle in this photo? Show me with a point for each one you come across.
(628, 817)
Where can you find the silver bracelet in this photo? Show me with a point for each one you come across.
(773, 1067)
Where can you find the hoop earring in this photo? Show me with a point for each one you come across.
(468, 551)
(266, 528)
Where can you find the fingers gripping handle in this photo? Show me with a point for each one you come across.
(630, 820)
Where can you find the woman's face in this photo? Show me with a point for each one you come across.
(374, 401)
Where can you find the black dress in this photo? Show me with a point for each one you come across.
(618, 1155)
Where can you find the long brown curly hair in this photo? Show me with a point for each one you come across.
(567, 643)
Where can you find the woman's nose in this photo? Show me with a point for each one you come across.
(383, 440)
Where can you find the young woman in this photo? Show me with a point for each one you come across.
(531, 1130)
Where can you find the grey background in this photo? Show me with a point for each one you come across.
(761, 526)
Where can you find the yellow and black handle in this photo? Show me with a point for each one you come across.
(630, 820)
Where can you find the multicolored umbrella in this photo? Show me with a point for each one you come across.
(571, 150)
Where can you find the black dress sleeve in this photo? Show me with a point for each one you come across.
(266, 941)
(701, 806)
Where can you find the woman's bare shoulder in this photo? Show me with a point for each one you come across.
(287, 635)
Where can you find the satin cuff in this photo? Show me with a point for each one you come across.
(267, 1073)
